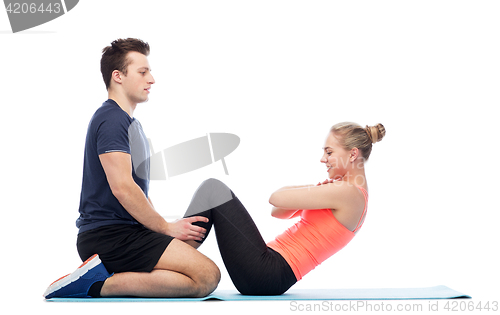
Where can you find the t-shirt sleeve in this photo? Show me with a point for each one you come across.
(112, 135)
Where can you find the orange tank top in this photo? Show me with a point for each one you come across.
(316, 237)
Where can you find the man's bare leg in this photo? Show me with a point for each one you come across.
(182, 271)
(193, 244)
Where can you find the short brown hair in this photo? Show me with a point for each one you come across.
(351, 135)
(114, 57)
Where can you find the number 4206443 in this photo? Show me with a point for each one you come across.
(24, 8)
(455, 306)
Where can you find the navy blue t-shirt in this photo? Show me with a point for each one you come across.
(111, 129)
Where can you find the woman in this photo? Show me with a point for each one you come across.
(331, 213)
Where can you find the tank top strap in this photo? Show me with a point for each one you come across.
(362, 218)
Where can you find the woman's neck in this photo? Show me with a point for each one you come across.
(356, 177)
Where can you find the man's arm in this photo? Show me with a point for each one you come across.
(118, 169)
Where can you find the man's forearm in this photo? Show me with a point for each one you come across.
(132, 198)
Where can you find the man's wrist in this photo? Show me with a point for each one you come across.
(166, 228)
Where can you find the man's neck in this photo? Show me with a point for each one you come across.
(123, 102)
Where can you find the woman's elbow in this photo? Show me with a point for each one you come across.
(277, 213)
(273, 212)
(273, 199)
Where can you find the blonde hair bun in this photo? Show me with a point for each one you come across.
(351, 135)
(375, 133)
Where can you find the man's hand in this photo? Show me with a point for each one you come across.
(184, 230)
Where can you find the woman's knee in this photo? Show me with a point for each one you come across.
(214, 192)
(214, 184)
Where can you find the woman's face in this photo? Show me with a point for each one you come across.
(335, 157)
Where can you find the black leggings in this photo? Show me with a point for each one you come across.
(254, 268)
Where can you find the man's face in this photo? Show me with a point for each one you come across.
(138, 80)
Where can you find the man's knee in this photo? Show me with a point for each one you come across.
(182, 258)
(207, 279)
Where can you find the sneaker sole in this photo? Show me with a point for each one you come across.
(72, 277)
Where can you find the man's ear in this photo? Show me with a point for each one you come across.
(116, 76)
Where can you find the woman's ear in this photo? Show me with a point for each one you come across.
(354, 154)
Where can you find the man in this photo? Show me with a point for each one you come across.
(128, 248)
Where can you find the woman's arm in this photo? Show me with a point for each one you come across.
(330, 195)
(283, 213)
(286, 213)
(293, 187)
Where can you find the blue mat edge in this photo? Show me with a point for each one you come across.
(428, 293)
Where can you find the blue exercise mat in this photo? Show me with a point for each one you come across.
(437, 292)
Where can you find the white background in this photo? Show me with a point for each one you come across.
(278, 74)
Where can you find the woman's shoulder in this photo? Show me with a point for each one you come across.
(352, 205)
(344, 187)
(347, 195)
